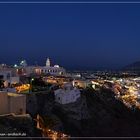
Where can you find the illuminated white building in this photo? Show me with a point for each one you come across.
(8, 77)
(68, 94)
(23, 69)
(48, 69)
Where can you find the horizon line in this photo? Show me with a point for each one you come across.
(69, 2)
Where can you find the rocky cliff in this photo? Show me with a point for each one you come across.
(96, 113)
(110, 117)
(17, 126)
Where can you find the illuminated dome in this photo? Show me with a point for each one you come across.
(23, 63)
(56, 66)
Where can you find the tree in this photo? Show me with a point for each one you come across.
(1, 84)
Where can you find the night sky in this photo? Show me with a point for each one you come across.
(75, 36)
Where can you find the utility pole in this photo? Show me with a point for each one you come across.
(30, 82)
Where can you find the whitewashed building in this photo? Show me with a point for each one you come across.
(48, 69)
(23, 69)
(68, 94)
(8, 77)
(12, 103)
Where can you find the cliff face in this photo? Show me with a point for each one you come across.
(110, 117)
(73, 116)
(31, 104)
(44, 104)
(69, 114)
(94, 114)
(17, 126)
(39, 104)
(104, 115)
(77, 110)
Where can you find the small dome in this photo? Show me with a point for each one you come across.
(56, 66)
(23, 63)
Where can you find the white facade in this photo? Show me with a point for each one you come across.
(68, 94)
(23, 69)
(8, 78)
(52, 70)
(5, 75)
(30, 69)
(48, 69)
(12, 103)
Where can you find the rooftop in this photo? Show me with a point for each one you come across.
(11, 94)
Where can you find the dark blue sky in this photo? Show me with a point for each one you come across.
(72, 35)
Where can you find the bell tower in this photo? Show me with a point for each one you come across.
(48, 63)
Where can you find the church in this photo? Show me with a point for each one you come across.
(48, 69)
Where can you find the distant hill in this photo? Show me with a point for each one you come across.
(133, 67)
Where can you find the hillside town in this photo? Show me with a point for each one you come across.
(24, 90)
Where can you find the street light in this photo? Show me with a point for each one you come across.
(30, 88)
